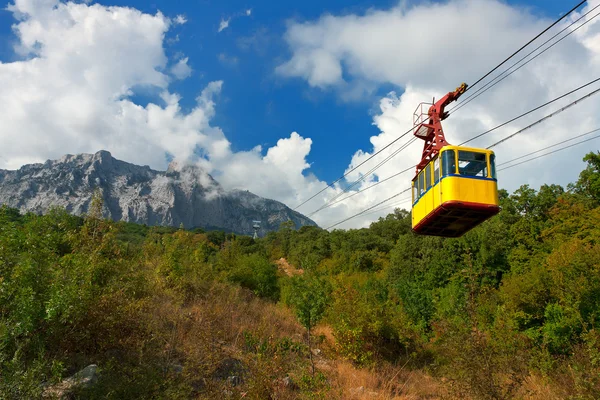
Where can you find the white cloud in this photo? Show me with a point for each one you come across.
(226, 21)
(181, 70)
(427, 50)
(230, 61)
(224, 24)
(180, 19)
(73, 95)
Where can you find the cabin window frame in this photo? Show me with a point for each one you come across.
(469, 157)
(492, 169)
(436, 170)
(415, 191)
(428, 177)
(448, 155)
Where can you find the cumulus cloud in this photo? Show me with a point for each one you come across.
(428, 49)
(180, 19)
(181, 70)
(230, 61)
(73, 94)
(224, 24)
(226, 21)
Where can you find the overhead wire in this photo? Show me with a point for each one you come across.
(490, 130)
(484, 133)
(335, 200)
(489, 147)
(528, 43)
(499, 78)
(394, 204)
(539, 121)
(363, 213)
(368, 209)
(530, 111)
(470, 87)
(549, 147)
(363, 177)
(365, 189)
(353, 169)
(552, 152)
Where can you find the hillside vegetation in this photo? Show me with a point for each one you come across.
(510, 310)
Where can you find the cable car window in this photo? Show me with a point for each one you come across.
(448, 162)
(428, 176)
(415, 191)
(472, 164)
(436, 170)
(493, 165)
(421, 184)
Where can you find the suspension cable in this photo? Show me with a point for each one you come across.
(335, 200)
(528, 43)
(364, 176)
(495, 81)
(364, 212)
(530, 111)
(549, 147)
(552, 152)
(368, 209)
(587, 96)
(394, 204)
(364, 189)
(353, 169)
(470, 87)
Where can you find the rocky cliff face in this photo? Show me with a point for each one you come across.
(181, 195)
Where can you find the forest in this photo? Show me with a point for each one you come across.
(509, 310)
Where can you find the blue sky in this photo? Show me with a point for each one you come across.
(258, 104)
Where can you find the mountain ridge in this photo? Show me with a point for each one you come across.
(183, 194)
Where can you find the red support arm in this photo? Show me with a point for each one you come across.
(430, 130)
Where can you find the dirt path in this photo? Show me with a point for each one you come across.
(287, 268)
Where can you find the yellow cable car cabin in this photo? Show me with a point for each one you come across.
(455, 192)
(455, 187)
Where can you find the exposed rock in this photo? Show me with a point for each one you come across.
(234, 380)
(82, 379)
(198, 385)
(289, 383)
(176, 368)
(181, 195)
(229, 367)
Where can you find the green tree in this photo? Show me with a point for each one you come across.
(308, 296)
(588, 183)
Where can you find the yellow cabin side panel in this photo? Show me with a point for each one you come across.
(482, 191)
(424, 206)
(437, 195)
(454, 188)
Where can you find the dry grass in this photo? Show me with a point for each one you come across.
(382, 382)
(198, 336)
(536, 387)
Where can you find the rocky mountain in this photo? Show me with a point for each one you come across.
(182, 195)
